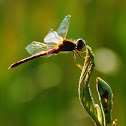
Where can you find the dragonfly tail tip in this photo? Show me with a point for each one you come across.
(10, 67)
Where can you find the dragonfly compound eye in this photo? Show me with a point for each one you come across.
(80, 44)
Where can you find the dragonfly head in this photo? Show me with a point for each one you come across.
(80, 44)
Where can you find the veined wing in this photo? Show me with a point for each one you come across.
(38, 47)
(57, 37)
(53, 37)
(63, 28)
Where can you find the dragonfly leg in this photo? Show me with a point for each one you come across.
(80, 51)
(76, 61)
(77, 51)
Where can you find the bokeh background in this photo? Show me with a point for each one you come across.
(44, 91)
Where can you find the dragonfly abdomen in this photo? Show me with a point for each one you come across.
(32, 57)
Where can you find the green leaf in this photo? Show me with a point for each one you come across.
(84, 91)
(106, 99)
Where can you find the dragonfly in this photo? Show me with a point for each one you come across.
(54, 42)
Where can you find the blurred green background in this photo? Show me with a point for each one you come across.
(44, 91)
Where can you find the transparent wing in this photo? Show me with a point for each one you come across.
(53, 37)
(63, 28)
(38, 47)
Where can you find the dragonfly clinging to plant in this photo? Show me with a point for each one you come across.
(54, 42)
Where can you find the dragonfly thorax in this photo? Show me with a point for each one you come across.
(80, 44)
